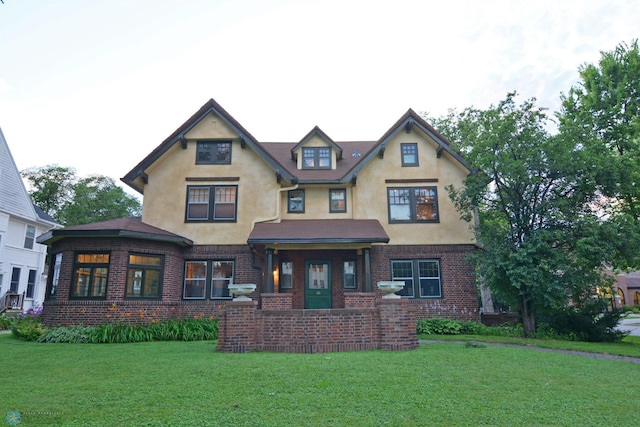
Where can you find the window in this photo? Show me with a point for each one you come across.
(296, 201)
(29, 237)
(91, 271)
(216, 275)
(316, 158)
(31, 283)
(213, 153)
(338, 200)
(409, 154)
(421, 278)
(212, 203)
(349, 275)
(56, 276)
(286, 275)
(413, 204)
(15, 280)
(144, 276)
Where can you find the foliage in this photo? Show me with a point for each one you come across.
(73, 201)
(27, 326)
(199, 328)
(601, 114)
(540, 243)
(7, 321)
(190, 384)
(590, 322)
(440, 326)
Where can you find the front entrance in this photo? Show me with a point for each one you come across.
(317, 284)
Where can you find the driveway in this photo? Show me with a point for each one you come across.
(631, 323)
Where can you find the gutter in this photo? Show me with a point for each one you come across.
(276, 216)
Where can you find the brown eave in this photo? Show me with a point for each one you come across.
(310, 231)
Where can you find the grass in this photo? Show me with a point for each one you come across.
(188, 383)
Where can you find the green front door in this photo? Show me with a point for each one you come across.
(317, 284)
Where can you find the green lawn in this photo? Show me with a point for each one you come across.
(189, 384)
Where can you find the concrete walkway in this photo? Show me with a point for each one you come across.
(631, 323)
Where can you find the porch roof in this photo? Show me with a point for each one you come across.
(309, 231)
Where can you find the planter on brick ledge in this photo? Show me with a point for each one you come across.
(240, 291)
(390, 288)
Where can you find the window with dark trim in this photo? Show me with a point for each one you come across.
(212, 203)
(53, 290)
(213, 153)
(210, 277)
(349, 274)
(413, 204)
(421, 277)
(296, 201)
(31, 283)
(338, 200)
(15, 280)
(409, 154)
(29, 237)
(316, 158)
(144, 276)
(91, 272)
(286, 275)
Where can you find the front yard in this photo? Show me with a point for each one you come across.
(188, 383)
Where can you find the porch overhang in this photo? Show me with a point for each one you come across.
(319, 232)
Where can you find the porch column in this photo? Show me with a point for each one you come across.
(366, 255)
(268, 280)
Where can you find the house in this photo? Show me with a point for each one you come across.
(22, 259)
(315, 224)
(627, 289)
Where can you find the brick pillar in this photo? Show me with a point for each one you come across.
(397, 325)
(237, 327)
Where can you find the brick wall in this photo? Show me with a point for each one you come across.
(390, 326)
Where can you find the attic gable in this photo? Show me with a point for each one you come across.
(14, 197)
(311, 139)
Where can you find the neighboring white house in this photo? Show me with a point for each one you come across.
(22, 259)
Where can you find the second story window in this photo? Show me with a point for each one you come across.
(413, 204)
(212, 203)
(316, 158)
(29, 237)
(213, 153)
(337, 200)
(296, 201)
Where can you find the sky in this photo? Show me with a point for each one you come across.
(97, 85)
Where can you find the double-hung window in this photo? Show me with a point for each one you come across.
(91, 272)
(337, 200)
(29, 237)
(296, 201)
(409, 154)
(212, 203)
(213, 153)
(31, 283)
(421, 277)
(316, 158)
(349, 275)
(144, 276)
(413, 204)
(210, 277)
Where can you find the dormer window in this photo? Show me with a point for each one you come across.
(316, 158)
(213, 153)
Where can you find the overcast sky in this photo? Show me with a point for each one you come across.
(96, 85)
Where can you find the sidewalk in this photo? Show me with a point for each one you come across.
(632, 324)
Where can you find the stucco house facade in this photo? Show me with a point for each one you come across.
(22, 260)
(314, 223)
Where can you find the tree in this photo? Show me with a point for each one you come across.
(72, 201)
(539, 238)
(98, 198)
(602, 114)
(51, 187)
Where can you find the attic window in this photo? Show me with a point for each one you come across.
(213, 153)
(316, 158)
(409, 154)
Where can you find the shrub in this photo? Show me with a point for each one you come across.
(67, 334)
(7, 321)
(28, 329)
(589, 322)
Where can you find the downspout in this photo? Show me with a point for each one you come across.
(277, 214)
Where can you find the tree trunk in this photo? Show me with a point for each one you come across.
(528, 316)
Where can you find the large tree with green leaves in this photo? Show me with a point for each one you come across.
(602, 114)
(72, 201)
(539, 238)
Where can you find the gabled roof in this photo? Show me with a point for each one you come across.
(14, 198)
(353, 156)
(177, 136)
(122, 227)
(317, 131)
(309, 231)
